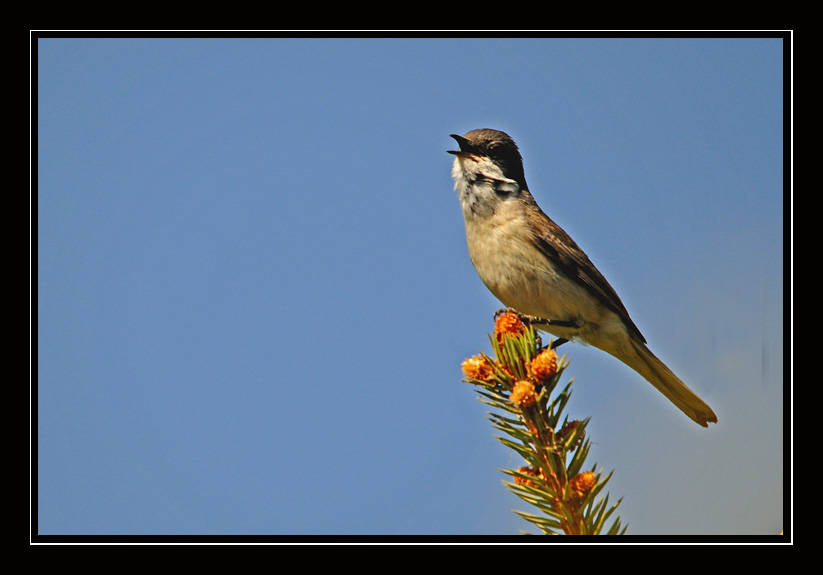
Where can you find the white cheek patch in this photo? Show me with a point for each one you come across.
(488, 168)
(472, 170)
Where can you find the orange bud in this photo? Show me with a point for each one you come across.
(508, 323)
(544, 366)
(478, 367)
(523, 394)
(581, 484)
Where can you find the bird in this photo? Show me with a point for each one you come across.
(535, 268)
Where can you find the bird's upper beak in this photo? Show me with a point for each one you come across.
(466, 147)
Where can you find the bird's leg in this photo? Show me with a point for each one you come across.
(536, 321)
(557, 343)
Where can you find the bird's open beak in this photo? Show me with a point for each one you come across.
(466, 147)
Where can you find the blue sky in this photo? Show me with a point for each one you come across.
(254, 293)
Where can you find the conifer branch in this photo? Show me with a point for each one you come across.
(520, 383)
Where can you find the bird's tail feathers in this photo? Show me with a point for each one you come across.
(655, 371)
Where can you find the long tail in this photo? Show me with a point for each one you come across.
(644, 362)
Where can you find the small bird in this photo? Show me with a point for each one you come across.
(534, 267)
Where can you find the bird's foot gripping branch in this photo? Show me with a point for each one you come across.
(520, 381)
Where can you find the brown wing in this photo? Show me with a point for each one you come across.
(557, 246)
